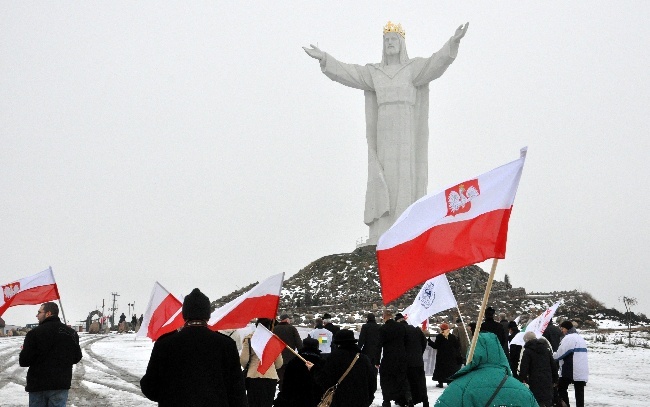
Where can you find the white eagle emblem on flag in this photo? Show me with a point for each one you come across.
(459, 198)
(10, 290)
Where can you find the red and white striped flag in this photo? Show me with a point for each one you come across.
(260, 301)
(465, 224)
(32, 290)
(267, 347)
(163, 315)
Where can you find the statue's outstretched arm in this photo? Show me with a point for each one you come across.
(460, 32)
(314, 52)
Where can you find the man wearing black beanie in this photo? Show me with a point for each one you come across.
(194, 366)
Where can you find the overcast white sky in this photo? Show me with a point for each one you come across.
(198, 145)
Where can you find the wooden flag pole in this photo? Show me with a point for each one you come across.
(296, 353)
(62, 313)
(462, 322)
(488, 288)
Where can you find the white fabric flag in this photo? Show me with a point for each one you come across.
(434, 296)
(539, 324)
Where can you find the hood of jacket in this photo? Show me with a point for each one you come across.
(488, 352)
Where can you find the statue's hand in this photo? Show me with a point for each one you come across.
(460, 32)
(314, 52)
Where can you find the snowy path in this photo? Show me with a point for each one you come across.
(112, 365)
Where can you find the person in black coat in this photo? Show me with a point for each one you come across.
(538, 369)
(490, 325)
(553, 334)
(416, 343)
(299, 387)
(369, 339)
(49, 350)
(448, 358)
(514, 353)
(289, 335)
(327, 324)
(392, 370)
(195, 366)
(358, 388)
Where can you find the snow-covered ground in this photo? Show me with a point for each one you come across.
(112, 365)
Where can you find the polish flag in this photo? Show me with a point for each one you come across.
(32, 290)
(463, 225)
(261, 301)
(267, 347)
(163, 315)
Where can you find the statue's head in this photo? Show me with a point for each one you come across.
(394, 43)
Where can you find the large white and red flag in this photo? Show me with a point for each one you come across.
(434, 296)
(267, 347)
(261, 301)
(164, 314)
(465, 224)
(32, 290)
(539, 324)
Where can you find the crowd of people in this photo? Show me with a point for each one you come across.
(196, 366)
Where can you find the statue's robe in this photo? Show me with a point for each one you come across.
(397, 130)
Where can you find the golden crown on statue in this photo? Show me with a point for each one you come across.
(394, 28)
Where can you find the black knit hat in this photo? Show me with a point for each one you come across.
(399, 316)
(344, 336)
(489, 312)
(327, 316)
(310, 343)
(566, 325)
(196, 306)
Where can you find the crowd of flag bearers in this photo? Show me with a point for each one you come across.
(192, 364)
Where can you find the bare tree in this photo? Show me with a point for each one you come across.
(629, 302)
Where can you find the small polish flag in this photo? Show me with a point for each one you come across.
(267, 347)
(32, 290)
(260, 301)
(163, 314)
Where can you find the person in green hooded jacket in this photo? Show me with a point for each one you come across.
(486, 380)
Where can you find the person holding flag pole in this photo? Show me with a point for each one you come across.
(194, 366)
(33, 290)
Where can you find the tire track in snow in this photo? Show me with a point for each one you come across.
(111, 376)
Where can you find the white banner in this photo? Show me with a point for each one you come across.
(434, 296)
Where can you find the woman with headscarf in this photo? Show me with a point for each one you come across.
(448, 358)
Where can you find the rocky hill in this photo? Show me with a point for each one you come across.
(346, 285)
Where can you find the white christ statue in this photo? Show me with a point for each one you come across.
(397, 114)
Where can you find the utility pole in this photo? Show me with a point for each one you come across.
(113, 309)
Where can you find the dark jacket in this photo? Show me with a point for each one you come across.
(447, 356)
(490, 325)
(476, 382)
(416, 343)
(392, 372)
(332, 328)
(289, 335)
(299, 387)
(49, 351)
(359, 386)
(539, 370)
(369, 341)
(194, 367)
(553, 334)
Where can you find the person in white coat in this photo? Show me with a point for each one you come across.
(574, 368)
